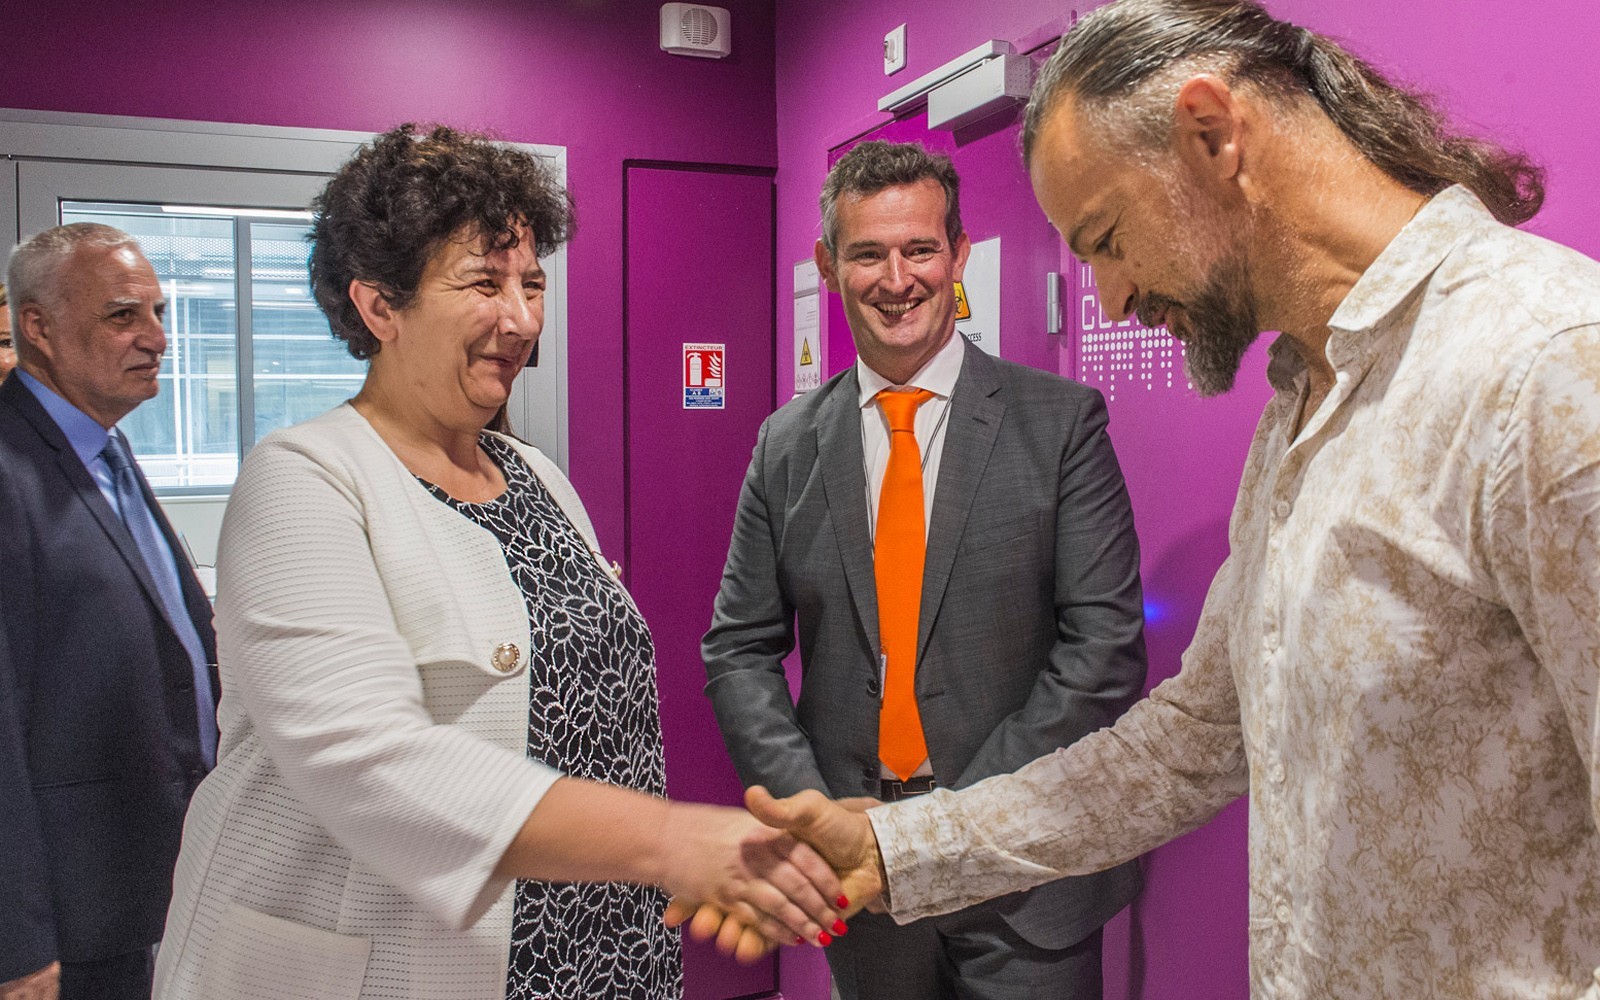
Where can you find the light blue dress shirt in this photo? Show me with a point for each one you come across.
(88, 439)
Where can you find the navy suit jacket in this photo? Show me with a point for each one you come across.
(99, 742)
(1031, 630)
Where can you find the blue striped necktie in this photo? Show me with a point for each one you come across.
(136, 516)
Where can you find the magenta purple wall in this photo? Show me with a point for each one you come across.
(1518, 72)
(585, 74)
(685, 467)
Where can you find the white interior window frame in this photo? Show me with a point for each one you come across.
(117, 140)
(539, 406)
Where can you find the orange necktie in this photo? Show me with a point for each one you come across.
(900, 545)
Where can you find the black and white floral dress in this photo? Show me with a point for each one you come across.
(593, 713)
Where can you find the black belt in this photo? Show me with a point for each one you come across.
(891, 790)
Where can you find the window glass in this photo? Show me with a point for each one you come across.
(300, 369)
(193, 435)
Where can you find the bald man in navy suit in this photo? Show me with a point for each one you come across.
(107, 676)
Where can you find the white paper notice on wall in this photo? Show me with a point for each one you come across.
(808, 361)
(978, 297)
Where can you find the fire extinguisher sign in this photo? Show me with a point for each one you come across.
(704, 376)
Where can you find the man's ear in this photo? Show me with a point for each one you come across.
(1208, 131)
(958, 261)
(33, 322)
(375, 310)
(825, 268)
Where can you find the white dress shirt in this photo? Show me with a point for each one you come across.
(938, 376)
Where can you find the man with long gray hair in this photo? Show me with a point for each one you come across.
(107, 711)
(1399, 660)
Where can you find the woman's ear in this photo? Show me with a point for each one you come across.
(375, 310)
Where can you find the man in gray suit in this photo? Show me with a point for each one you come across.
(1025, 632)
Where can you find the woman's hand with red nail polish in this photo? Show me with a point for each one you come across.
(840, 831)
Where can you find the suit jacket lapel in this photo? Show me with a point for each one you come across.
(83, 484)
(976, 409)
(844, 483)
(89, 494)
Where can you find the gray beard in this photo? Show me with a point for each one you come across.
(1221, 327)
(1222, 315)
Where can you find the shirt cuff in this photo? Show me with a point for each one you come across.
(908, 837)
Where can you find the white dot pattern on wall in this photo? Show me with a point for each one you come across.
(1121, 356)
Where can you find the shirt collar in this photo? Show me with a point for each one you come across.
(83, 432)
(938, 376)
(1414, 254)
(1384, 287)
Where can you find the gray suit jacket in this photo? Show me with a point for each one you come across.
(1032, 615)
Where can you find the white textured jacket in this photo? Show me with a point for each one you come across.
(373, 764)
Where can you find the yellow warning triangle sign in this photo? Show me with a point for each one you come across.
(805, 352)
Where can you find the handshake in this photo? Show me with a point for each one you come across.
(791, 878)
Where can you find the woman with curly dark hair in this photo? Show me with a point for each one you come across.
(441, 771)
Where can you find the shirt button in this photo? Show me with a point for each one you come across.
(1282, 508)
(1276, 774)
(872, 688)
(1282, 912)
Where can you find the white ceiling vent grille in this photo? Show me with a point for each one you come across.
(699, 26)
(692, 29)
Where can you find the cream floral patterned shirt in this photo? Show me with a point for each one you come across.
(1398, 661)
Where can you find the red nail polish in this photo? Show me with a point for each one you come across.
(824, 939)
(842, 902)
(799, 940)
(839, 928)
